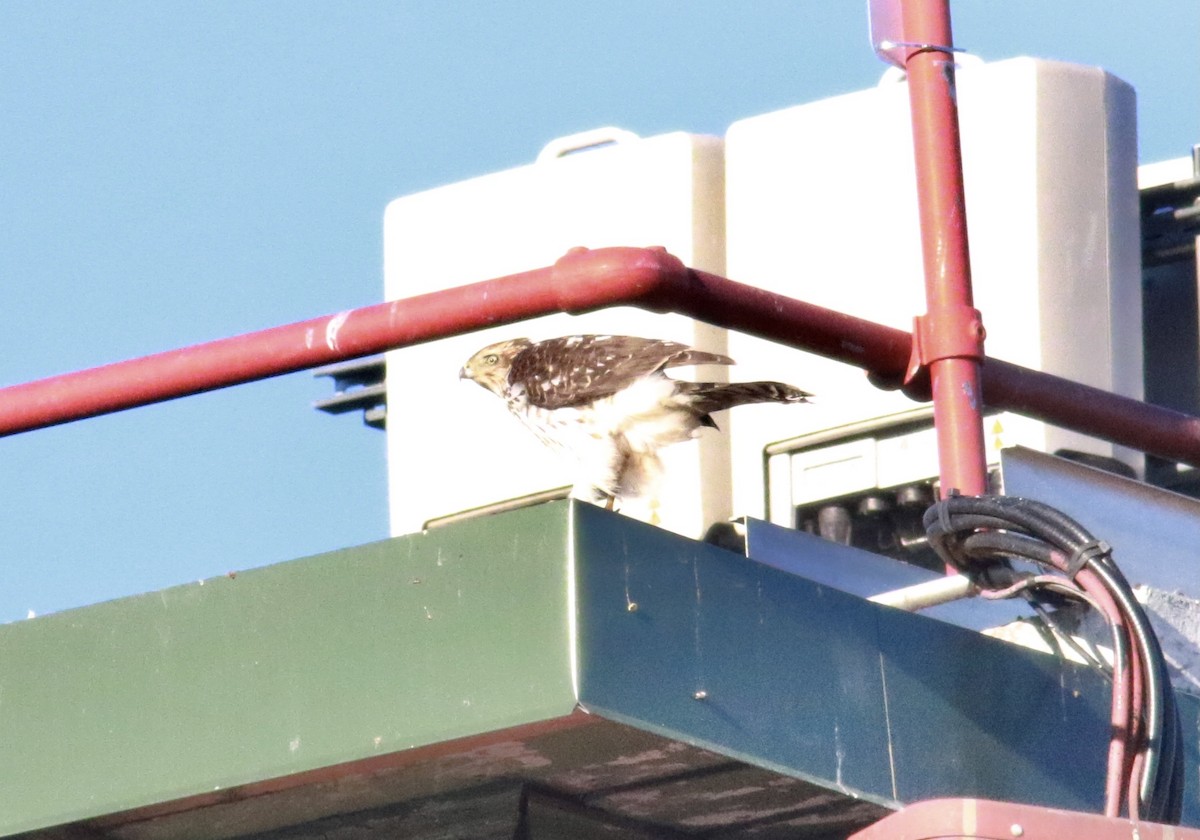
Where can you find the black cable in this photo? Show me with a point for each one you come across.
(965, 530)
(1062, 636)
(1009, 543)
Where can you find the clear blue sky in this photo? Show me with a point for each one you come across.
(175, 172)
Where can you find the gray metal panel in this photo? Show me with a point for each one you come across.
(865, 574)
(782, 684)
(1189, 725)
(795, 675)
(973, 716)
(1155, 533)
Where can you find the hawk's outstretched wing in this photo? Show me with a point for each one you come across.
(578, 369)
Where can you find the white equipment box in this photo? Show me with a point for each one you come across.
(821, 206)
(458, 447)
(817, 202)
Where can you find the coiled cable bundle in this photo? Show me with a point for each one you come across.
(984, 535)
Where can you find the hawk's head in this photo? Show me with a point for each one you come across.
(489, 367)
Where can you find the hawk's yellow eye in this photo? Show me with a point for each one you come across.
(491, 359)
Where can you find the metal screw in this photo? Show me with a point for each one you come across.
(1016, 830)
(700, 695)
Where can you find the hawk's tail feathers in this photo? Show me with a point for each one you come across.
(718, 396)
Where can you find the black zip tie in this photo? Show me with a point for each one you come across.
(1086, 553)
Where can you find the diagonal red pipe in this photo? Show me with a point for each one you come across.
(580, 282)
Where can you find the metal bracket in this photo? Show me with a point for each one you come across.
(916, 48)
(889, 36)
(948, 332)
(358, 385)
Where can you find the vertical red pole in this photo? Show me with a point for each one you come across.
(949, 337)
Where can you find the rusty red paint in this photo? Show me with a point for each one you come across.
(581, 281)
(980, 818)
(951, 334)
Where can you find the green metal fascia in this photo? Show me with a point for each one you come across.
(279, 670)
(476, 627)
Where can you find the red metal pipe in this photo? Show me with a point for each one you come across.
(1121, 709)
(951, 333)
(576, 283)
(1093, 411)
(581, 281)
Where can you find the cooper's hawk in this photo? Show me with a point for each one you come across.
(606, 401)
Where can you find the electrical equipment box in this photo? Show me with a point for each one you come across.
(821, 205)
(453, 446)
(1170, 193)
